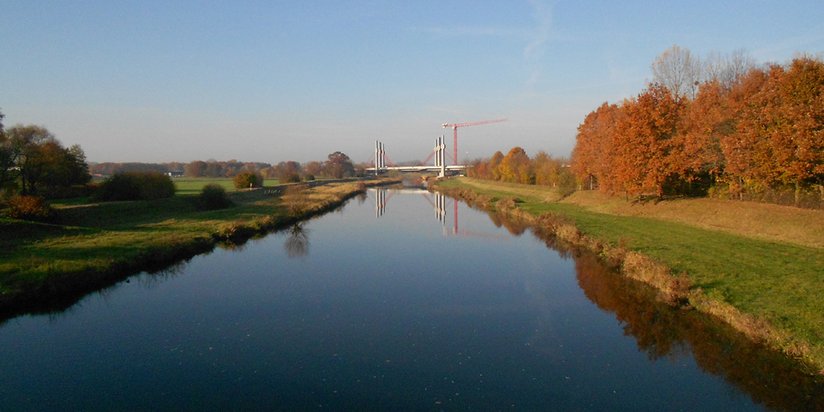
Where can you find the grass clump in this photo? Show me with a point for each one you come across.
(136, 186)
(213, 197)
(26, 207)
(193, 185)
(248, 180)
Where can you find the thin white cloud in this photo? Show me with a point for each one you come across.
(534, 50)
(474, 31)
(540, 34)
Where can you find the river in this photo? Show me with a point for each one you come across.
(388, 303)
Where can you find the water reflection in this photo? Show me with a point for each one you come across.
(445, 211)
(662, 331)
(405, 310)
(297, 241)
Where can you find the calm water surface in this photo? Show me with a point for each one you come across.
(386, 304)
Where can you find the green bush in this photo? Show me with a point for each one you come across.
(290, 178)
(30, 208)
(136, 186)
(213, 196)
(245, 180)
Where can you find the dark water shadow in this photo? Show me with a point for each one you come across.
(663, 331)
(62, 304)
(660, 330)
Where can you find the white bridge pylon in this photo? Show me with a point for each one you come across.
(380, 155)
(439, 156)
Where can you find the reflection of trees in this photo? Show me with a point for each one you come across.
(650, 322)
(234, 246)
(661, 330)
(152, 279)
(297, 242)
(516, 227)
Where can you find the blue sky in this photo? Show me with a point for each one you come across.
(271, 81)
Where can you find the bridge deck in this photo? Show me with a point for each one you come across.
(419, 168)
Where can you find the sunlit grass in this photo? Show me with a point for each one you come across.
(193, 185)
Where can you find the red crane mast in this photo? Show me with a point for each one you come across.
(455, 127)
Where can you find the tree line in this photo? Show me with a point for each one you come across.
(34, 162)
(517, 167)
(722, 126)
(337, 165)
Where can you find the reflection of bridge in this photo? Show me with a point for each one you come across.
(438, 153)
(438, 201)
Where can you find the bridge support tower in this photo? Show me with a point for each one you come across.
(380, 157)
(440, 156)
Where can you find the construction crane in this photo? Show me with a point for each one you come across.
(455, 127)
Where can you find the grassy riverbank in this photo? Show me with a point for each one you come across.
(98, 243)
(764, 276)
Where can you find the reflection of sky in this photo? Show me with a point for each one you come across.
(380, 310)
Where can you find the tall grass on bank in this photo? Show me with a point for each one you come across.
(768, 290)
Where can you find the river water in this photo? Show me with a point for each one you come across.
(388, 303)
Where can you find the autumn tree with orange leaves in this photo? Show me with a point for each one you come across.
(592, 157)
(785, 125)
(515, 167)
(646, 143)
(747, 132)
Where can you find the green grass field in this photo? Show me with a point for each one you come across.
(96, 238)
(193, 185)
(777, 281)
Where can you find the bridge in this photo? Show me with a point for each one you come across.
(438, 153)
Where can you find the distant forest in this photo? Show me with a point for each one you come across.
(337, 165)
(212, 168)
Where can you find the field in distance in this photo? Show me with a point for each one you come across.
(193, 185)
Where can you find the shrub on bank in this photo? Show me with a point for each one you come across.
(213, 196)
(30, 208)
(136, 186)
(290, 178)
(246, 180)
